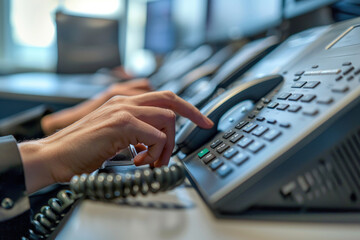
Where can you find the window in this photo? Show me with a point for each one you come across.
(32, 32)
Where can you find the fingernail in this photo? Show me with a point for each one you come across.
(209, 122)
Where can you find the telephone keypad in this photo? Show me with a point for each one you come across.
(260, 119)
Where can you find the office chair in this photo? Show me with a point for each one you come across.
(86, 44)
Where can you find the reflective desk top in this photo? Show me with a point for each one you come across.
(182, 214)
(52, 87)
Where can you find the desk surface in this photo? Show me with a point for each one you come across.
(52, 87)
(181, 214)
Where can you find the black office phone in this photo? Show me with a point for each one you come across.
(298, 149)
(180, 65)
(201, 90)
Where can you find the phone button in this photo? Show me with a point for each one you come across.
(256, 146)
(282, 107)
(240, 158)
(308, 98)
(271, 121)
(295, 97)
(250, 127)
(312, 84)
(241, 124)
(222, 148)
(208, 158)
(216, 143)
(245, 142)
(216, 164)
(348, 70)
(228, 134)
(203, 153)
(260, 131)
(272, 105)
(224, 170)
(230, 153)
(284, 96)
(272, 134)
(298, 84)
(236, 137)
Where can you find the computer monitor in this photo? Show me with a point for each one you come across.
(159, 27)
(175, 24)
(234, 19)
(294, 8)
(189, 18)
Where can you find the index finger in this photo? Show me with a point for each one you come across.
(168, 99)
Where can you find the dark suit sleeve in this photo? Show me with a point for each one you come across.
(14, 208)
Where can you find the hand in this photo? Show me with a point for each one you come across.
(85, 145)
(61, 119)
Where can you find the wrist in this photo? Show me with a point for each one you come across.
(37, 167)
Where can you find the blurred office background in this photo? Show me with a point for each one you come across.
(87, 36)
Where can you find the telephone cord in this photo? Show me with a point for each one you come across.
(105, 187)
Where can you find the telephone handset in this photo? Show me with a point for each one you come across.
(191, 137)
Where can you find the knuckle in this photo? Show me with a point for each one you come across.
(171, 115)
(169, 94)
(125, 118)
(115, 99)
(161, 137)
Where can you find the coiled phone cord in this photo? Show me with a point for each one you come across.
(104, 187)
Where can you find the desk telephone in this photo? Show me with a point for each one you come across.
(297, 149)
